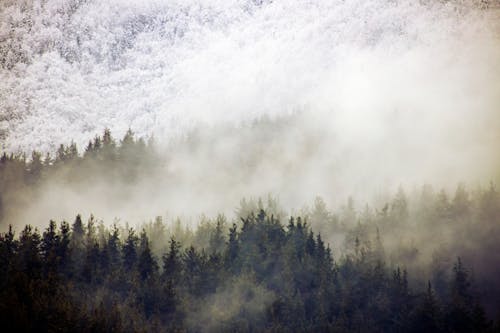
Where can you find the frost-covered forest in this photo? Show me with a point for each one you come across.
(424, 260)
(70, 68)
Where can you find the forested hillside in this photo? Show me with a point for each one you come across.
(249, 166)
(260, 276)
(422, 261)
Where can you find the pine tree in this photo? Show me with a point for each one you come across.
(459, 312)
(50, 243)
(8, 250)
(147, 264)
(71, 152)
(216, 242)
(192, 269)
(114, 249)
(61, 154)
(172, 264)
(130, 251)
(29, 252)
(232, 250)
(108, 146)
(77, 245)
(35, 167)
(63, 249)
(427, 317)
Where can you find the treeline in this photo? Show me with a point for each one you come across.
(424, 231)
(258, 276)
(104, 159)
(389, 266)
(103, 152)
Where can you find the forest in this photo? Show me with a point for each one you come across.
(423, 261)
(249, 166)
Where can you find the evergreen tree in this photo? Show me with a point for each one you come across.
(130, 251)
(77, 245)
(427, 317)
(49, 246)
(216, 243)
(35, 167)
(172, 264)
(459, 311)
(232, 250)
(147, 264)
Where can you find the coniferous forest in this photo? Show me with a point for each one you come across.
(380, 269)
(213, 166)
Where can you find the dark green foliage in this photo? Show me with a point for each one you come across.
(147, 263)
(217, 238)
(102, 158)
(130, 251)
(264, 278)
(172, 264)
(427, 316)
(254, 274)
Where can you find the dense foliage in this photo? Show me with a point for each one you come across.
(264, 277)
(103, 161)
(418, 262)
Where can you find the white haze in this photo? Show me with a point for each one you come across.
(380, 93)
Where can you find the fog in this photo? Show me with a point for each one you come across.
(351, 98)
